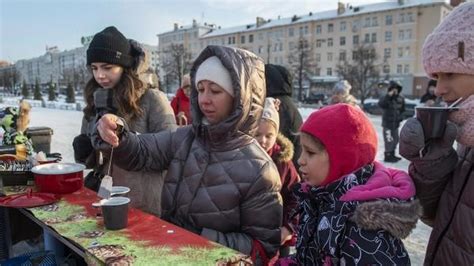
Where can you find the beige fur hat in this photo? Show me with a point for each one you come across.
(270, 111)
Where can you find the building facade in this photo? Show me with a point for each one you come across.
(396, 30)
(176, 50)
(65, 67)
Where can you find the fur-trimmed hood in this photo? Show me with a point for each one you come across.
(398, 218)
(283, 151)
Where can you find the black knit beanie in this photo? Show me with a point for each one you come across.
(110, 46)
(394, 85)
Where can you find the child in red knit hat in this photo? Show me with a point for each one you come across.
(353, 210)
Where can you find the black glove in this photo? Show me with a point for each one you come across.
(414, 148)
(82, 148)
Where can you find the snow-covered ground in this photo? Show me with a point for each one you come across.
(66, 125)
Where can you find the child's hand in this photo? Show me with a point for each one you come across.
(285, 234)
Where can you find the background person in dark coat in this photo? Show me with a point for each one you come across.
(393, 106)
(279, 86)
(429, 98)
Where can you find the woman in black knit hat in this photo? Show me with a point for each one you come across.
(119, 86)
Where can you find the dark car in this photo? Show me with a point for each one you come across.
(315, 98)
(371, 106)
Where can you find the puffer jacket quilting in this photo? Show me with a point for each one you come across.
(448, 206)
(219, 183)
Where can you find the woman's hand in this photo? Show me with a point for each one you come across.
(107, 127)
(285, 234)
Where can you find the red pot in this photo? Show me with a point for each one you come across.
(59, 178)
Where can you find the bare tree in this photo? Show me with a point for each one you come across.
(362, 71)
(9, 77)
(176, 62)
(302, 63)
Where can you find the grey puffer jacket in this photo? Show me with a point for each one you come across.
(220, 182)
(145, 188)
(444, 185)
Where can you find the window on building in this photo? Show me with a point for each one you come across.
(291, 32)
(406, 69)
(355, 56)
(400, 51)
(388, 20)
(318, 57)
(409, 17)
(367, 38)
(230, 40)
(342, 56)
(367, 23)
(388, 36)
(306, 30)
(342, 41)
(374, 37)
(401, 18)
(251, 38)
(329, 71)
(408, 34)
(260, 36)
(330, 44)
(407, 51)
(375, 22)
(399, 69)
(233, 39)
(355, 39)
(343, 26)
(242, 39)
(387, 53)
(281, 46)
(330, 27)
(260, 49)
(318, 43)
(386, 69)
(291, 45)
(401, 35)
(329, 57)
(318, 29)
(301, 31)
(317, 72)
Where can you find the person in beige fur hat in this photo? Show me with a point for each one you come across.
(281, 150)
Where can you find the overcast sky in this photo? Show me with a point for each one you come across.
(28, 26)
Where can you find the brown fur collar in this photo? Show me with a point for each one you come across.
(397, 218)
(286, 149)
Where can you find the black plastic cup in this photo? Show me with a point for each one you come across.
(119, 191)
(433, 120)
(115, 212)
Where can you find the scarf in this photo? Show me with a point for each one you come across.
(464, 119)
(104, 102)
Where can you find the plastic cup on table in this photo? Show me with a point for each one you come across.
(115, 212)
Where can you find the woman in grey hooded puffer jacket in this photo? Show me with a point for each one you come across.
(220, 182)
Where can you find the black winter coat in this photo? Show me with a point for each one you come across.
(393, 108)
(279, 86)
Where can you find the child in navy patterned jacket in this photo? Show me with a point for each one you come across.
(353, 210)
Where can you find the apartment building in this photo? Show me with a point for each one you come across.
(189, 36)
(396, 29)
(67, 66)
